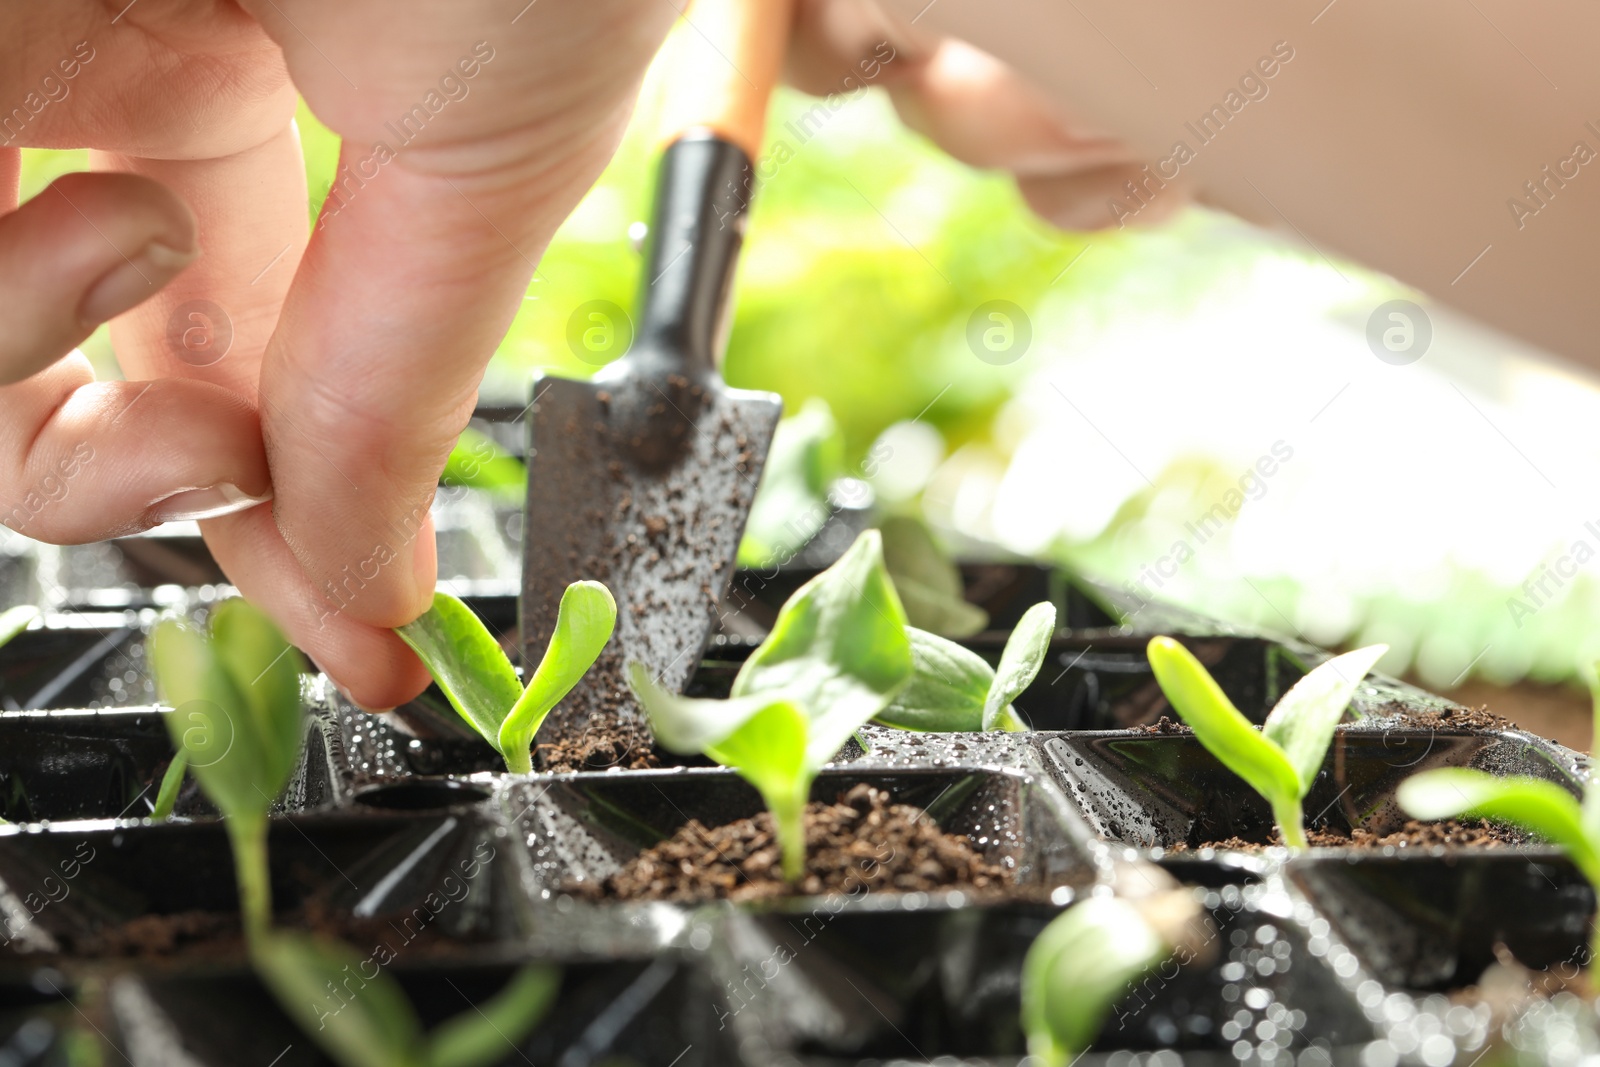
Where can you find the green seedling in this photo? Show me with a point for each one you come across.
(953, 688)
(479, 463)
(1077, 968)
(374, 1025)
(927, 579)
(1538, 806)
(15, 620)
(171, 783)
(1084, 961)
(1281, 760)
(836, 656)
(482, 685)
(804, 460)
(237, 720)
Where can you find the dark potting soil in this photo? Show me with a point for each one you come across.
(860, 843)
(600, 747)
(217, 935)
(1161, 726)
(1448, 718)
(1414, 834)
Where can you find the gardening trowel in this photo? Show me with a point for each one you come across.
(642, 477)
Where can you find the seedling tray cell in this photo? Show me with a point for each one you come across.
(939, 983)
(1165, 790)
(66, 884)
(643, 1011)
(75, 666)
(88, 764)
(1341, 953)
(584, 827)
(1431, 921)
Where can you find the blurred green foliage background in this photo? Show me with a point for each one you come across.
(1180, 355)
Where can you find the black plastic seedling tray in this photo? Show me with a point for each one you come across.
(1335, 956)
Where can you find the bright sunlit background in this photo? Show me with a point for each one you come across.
(1407, 504)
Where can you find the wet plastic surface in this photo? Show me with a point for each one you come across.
(1164, 790)
(1323, 958)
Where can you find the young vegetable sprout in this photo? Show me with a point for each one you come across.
(15, 620)
(928, 581)
(482, 685)
(953, 688)
(1281, 760)
(805, 459)
(1536, 805)
(377, 1026)
(836, 656)
(237, 720)
(171, 784)
(1084, 961)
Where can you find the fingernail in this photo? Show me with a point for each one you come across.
(346, 693)
(132, 281)
(214, 501)
(356, 704)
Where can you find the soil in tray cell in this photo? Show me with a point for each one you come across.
(861, 841)
(1165, 790)
(163, 889)
(701, 834)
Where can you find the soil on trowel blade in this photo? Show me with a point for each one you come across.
(1448, 718)
(861, 843)
(1162, 726)
(1413, 834)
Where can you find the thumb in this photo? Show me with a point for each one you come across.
(86, 249)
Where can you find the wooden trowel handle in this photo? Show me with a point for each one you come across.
(733, 56)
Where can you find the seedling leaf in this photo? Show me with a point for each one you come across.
(946, 690)
(584, 622)
(1219, 726)
(480, 682)
(171, 783)
(928, 582)
(690, 725)
(1019, 663)
(1077, 968)
(15, 620)
(805, 459)
(838, 649)
(467, 662)
(237, 719)
(235, 696)
(836, 655)
(1531, 803)
(375, 1027)
(266, 670)
(479, 1036)
(1302, 723)
(762, 737)
(1591, 794)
